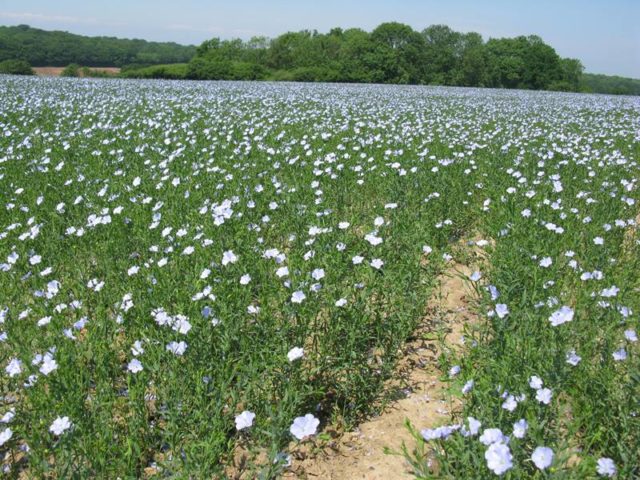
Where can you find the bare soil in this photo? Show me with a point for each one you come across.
(425, 401)
(56, 71)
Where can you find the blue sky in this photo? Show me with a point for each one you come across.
(603, 34)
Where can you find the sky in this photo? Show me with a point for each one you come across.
(603, 34)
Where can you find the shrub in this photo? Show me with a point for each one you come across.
(16, 67)
(247, 71)
(71, 70)
(203, 69)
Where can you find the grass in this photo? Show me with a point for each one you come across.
(179, 173)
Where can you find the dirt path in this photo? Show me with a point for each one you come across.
(360, 454)
(56, 71)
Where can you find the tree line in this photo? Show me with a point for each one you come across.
(391, 53)
(42, 48)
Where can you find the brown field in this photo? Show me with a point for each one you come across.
(55, 71)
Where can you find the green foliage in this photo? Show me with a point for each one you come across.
(590, 82)
(16, 67)
(96, 73)
(55, 48)
(391, 53)
(201, 68)
(176, 71)
(71, 70)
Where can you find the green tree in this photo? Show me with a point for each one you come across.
(441, 54)
(16, 67)
(71, 70)
(397, 55)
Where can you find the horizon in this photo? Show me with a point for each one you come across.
(603, 36)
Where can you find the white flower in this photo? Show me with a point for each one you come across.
(620, 355)
(229, 257)
(298, 297)
(181, 324)
(493, 435)
(535, 382)
(631, 335)
(474, 427)
(467, 387)
(609, 292)
(377, 263)
(494, 292)
(438, 433)
(343, 225)
(48, 364)
(137, 348)
(573, 358)
(510, 403)
(177, 348)
(502, 310)
(606, 467)
(563, 315)
(133, 270)
(135, 366)
(14, 367)
(8, 417)
(544, 396)
(304, 426)
(542, 457)
(498, 457)
(245, 279)
(245, 420)
(357, 260)
(546, 262)
(5, 436)
(282, 272)
(341, 303)
(475, 276)
(520, 428)
(373, 240)
(426, 249)
(295, 353)
(59, 425)
(318, 274)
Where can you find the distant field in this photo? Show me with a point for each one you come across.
(56, 71)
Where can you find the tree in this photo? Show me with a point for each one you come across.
(16, 67)
(397, 53)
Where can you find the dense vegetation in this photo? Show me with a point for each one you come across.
(55, 48)
(192, 267)
(610, 84)
(15, 67)
(391, 53)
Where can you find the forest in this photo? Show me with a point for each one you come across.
(42, 48)
(393, 53)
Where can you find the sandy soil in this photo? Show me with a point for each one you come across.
(56, 71)
(426, 404)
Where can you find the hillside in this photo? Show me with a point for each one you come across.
(597, 83)
(55, 48)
